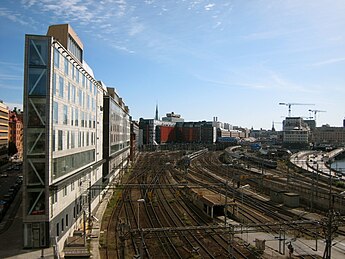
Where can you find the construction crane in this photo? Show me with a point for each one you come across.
(290, 104)
(315, 112)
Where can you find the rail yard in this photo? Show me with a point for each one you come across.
(205, 204)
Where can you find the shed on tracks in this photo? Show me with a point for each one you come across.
(209, 202)
(291, 199)
(277, 195)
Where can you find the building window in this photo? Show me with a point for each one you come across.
(72, 186)
(72, 139)
(66, 66)
(56, 58)
(53, 141)
(78, 75)
(60, 139)
(65, 118)
(66, 220)
(55, 112)
(82, 118)
(54, 197)
(80, 96)
(76, 117)
(72, 116)
(69, 91)
(62, 225)
(68, 140)
(83, 80)
(73, 72)
(54, 84)
(73, 94)
(61, 86)
(65, 191)
(57, 229)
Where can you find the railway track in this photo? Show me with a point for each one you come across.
(166, 208)
(252, 210)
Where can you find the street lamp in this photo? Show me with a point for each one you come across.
(247, 186)
(140, 232)
(226, 190)
(139, 201)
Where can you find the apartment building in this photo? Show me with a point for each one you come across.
(63, 156)
(16, 130)
(4, 117)
(327, 135)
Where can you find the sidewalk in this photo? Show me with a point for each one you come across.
(11, 233)
(96, 226)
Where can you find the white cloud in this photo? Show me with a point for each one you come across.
(122, 48)
(135, 29)
(28, 3)
(329, 61)
(10, 77)
(209, 7)
(11, 87)
(12, 16)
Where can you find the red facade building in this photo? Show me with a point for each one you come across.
(16, 130)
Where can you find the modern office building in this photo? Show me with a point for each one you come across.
(155, 132)
(296, 133)
(64, 159)
(134, 139)
(116, 136)
(4, 117)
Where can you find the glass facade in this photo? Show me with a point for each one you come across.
(71, 113)
(36, 88)
(119, 128)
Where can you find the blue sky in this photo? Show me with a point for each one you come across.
(232, 59)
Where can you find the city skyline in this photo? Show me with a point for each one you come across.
(201, 59)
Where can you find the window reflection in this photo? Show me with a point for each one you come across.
(37, 81)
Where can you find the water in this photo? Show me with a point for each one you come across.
(339, 165)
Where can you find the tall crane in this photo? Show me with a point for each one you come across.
(315, 112)
(290, 104)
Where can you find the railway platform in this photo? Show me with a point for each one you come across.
(96, 224)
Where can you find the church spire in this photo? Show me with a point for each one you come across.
(157, 117)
